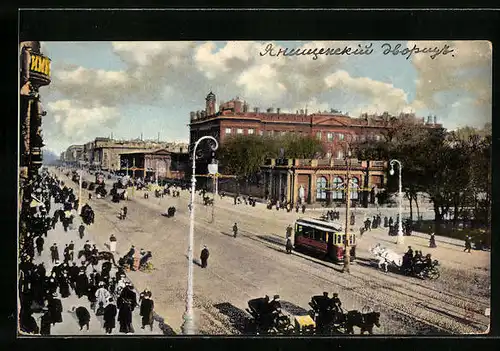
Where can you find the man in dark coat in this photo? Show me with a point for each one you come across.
(27, 322)
(468, 244)
(64, 285)
(204, 257)
(73, 274)
(106, 268)
(83, 316)
(129, 294)
(109, 316)
(54, 253)
(45, 323)
(82, 284)
(147, 306)
(91, 295)
(39, 245)
(289, 246)
(125, 317)
(71, 248)
(55, 309)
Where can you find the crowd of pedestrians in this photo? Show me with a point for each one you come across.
(42, 290)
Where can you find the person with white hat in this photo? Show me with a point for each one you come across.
(112, 243)
(102, 295)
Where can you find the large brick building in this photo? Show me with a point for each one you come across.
(333, 128)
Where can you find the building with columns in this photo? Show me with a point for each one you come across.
(334, 129)
(315, 181)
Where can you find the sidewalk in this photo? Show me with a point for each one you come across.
(442, 239)
(70, 326)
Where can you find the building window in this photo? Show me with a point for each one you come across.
(282, 133)
(338, 183)
(239, 131)
(321, 188)
(377, 137)
(261, 132)
(329, 136)
(318, 135)
(328, 155)
(341, 136)
(250, 131)
(270, 133)
(228, 130)
(340, 154)
(354, 186)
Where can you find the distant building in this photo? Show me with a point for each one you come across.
(104, 153)
(73, 154)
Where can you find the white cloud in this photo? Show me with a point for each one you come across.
(468, 71)
(178, 75)
(70, 122)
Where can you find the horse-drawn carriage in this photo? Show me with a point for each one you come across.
(101, 190)
(331, 319)
(207, 201)
(325, 318)
(267, 317)
(392, 260)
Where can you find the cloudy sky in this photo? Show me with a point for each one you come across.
(129, 88)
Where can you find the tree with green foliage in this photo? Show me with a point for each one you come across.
(453, 168)
(243, 155)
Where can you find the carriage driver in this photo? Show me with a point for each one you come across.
(336, 304)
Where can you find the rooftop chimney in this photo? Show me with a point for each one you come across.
(278, 110)
(245, 107)
(301, 111)
(435, 120)
(429, 119)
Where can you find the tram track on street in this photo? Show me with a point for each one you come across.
(377, 295)
(413, 298)
(457, 306)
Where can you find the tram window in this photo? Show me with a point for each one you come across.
(318, 235)
(343, 239)
(308, 232)
(350, 240)
(298, 229)
(339, 239)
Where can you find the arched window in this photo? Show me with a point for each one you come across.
(338, 184)
(354, 186)
(321, 188)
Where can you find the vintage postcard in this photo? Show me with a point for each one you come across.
(254, 188)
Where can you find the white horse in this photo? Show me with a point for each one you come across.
(386, 256)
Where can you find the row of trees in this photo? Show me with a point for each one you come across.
(452, 168)
(243, 155)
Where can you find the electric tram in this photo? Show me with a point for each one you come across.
(325, 238)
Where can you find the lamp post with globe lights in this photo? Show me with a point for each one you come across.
(400, 195)
(188, 326)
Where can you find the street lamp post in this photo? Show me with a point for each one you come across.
(347, 251)
(400, 238)
(80, 192)
(188, 326)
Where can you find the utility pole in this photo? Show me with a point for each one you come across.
(347, 251)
